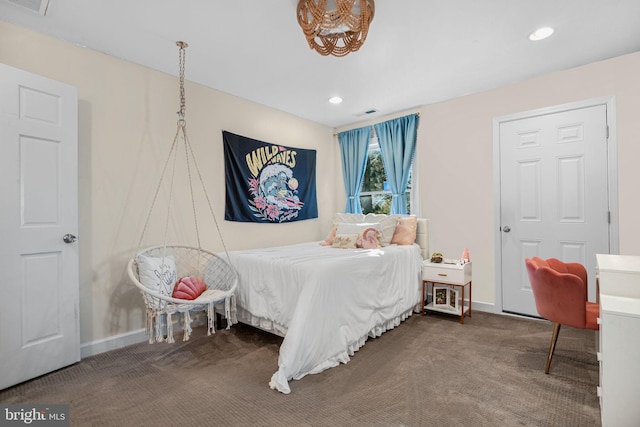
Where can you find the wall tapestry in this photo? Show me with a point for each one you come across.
(267, 182)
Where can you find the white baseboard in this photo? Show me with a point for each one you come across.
(112, 343)
(488, 307)
(134, 337)
(491, 308)
(484, 306)
(129, 338)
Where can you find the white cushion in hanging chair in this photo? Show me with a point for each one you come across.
(157, 273)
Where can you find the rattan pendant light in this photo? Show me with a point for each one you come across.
(335, 27)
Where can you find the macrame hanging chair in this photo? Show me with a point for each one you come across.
(181, 279)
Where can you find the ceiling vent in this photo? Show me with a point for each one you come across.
(38, 6)
(366, 113)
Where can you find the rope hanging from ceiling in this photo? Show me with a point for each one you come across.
(178, 278)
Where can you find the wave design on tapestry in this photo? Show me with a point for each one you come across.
(267, 182)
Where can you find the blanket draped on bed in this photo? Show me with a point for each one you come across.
(328, 300)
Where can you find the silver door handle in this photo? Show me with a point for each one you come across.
(69, 238)
(506, 229)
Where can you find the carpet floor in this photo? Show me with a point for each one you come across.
(429, 371)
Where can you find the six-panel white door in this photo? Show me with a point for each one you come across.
(554, 197)
(39, 330)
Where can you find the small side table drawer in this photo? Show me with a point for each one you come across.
(446, 273)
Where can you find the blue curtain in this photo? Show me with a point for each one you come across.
(397, 139)
(354, 145)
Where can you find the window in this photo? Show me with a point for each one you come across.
(375, 195)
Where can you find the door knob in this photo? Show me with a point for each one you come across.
(506, 229)
(69, 238)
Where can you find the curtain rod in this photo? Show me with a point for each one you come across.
(417, 113)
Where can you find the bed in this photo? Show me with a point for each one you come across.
(327, 301)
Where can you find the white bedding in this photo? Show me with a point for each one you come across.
(328, 300)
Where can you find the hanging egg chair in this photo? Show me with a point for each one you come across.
(179, 279)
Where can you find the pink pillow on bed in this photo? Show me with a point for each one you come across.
(189, 288)
(405, 233)
(369, 239)
(331, 237)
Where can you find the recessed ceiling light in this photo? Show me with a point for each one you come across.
(541, 33)
(335, 100)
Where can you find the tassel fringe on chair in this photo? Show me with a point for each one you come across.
(219, 298)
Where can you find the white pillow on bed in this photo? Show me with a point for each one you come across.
(341, 218)
(386, 224)
(158, 274)
(348, 217)
(358, 228)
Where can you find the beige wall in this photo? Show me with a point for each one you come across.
(456, 158)
(127, 121)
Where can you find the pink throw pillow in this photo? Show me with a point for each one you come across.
(405, 233)
(369, 239)
(331, 237)
(189, 288)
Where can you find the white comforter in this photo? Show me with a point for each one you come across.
(328, 300)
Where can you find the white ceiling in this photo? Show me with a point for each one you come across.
(417, 52)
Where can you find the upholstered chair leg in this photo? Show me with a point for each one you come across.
(552, 348)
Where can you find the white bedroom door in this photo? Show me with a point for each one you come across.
(554, 196)
(39, 330)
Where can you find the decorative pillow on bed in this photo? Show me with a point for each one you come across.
(337, 219)
(345, 241)
(328, 241)
(369, 239)
(158, 274)
(386, 225)
(405, 233)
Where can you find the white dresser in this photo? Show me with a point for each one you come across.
(619, 340)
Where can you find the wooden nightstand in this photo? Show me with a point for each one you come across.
(456, 277)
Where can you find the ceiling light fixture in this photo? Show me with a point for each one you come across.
(335, 100)
(335, 27)
(541, 33)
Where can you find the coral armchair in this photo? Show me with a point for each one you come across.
(560, 293)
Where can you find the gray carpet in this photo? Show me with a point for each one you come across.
(430, 371)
